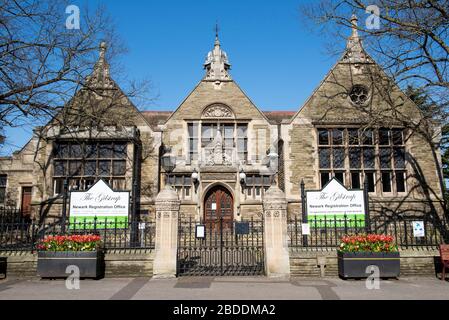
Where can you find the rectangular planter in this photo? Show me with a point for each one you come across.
(51, 264)
(2, 267)
(354, 264)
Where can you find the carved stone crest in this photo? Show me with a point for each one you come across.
(218, 111)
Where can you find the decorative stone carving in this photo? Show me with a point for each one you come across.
(219, 111)
(207, 176)
(217, 64)
(214, 153)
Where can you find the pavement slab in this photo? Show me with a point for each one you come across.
(225, 288)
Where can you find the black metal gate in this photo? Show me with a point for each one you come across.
(235, 249)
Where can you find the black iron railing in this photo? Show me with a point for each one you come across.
(21, 234)
(326, 233)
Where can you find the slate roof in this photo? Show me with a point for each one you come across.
(156, 118)
(278, 117)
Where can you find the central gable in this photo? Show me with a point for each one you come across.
(225, 99)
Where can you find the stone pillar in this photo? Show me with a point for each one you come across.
(277, 259)
(167, 211)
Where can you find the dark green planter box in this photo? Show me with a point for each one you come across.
(354, 264)
(3, 267)
(52, 264)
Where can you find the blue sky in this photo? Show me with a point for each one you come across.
(276, 60)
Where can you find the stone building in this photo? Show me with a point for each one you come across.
(220, 152)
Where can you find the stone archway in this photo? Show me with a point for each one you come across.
(218, 208)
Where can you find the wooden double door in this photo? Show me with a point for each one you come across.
(218, 209)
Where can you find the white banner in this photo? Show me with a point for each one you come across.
(100, 200)
(336, 200)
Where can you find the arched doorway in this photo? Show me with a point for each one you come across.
(218, 208)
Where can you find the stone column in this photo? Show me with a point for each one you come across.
(277, 259)
(167, 211)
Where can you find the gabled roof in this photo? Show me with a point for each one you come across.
(354, 54)
(217, 71)
(156, 118)
(100, 79)
(278, 117)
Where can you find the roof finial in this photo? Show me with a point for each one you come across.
(217, 29)
(354, 26)
(354, 50)
(217, 63)
(100, 74)
(103, 48)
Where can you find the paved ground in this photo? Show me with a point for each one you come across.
(224, 289)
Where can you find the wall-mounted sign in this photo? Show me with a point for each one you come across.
(110, 208)
(242, 227)
(330, 205)
(305, 228)
(142, 225)
(418, 229)
(200, 231)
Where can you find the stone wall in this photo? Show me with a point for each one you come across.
(413, 263)
(118, 263)
(139, 263)
(19, 170)
(129, 263)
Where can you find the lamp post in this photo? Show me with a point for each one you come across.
(242, 177)
(195, 179)
(135, 187)
(366, 199)
(196, 182)
(168, 163)
(273, 165)
(303, 210)
(64, 205)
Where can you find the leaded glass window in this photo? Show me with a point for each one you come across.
(339, 157)
(325, 157)
(256, 185)
(371, 153)
(368, 158)
(84, 163)
(355, 158)
(182, 184)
